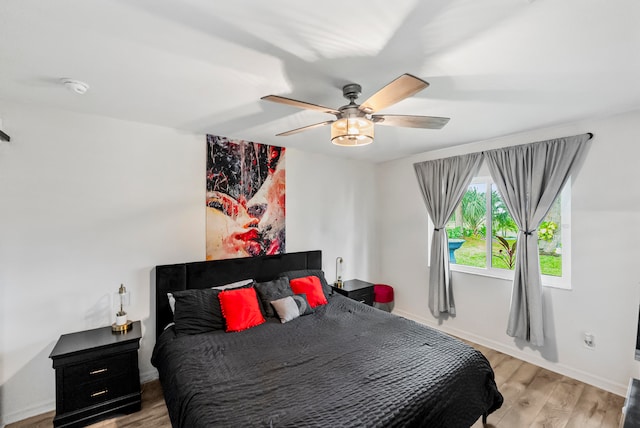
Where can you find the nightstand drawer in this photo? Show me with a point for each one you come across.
(362, 296)
(355, 289)
(97, 392)
(103, 368)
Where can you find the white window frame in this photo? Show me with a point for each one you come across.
(563, 282)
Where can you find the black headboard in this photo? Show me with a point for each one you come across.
(185, 276)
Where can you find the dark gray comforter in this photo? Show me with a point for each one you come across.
(346, 365)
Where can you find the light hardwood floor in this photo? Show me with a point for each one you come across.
(536, 397)
(533, 397)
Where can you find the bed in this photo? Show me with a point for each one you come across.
(344, 365)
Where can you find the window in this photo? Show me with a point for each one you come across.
(482, 236)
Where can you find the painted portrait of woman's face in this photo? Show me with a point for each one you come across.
(245, 199)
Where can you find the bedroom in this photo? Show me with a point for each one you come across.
(92, 199)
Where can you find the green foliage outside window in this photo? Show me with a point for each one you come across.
(502, 223)
(507, 253)
(455, 232)
(547, 230)
(474, 212)
(469, 223)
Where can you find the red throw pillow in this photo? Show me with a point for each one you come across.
(311, 286)
(240, 308)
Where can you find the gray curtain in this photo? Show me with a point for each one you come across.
(530, 178)
(443, 183)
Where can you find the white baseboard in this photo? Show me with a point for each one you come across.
(597, 381)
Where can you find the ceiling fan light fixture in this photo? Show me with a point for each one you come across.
(354, 124)
(352, 132)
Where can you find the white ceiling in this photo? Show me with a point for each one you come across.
(496, 67)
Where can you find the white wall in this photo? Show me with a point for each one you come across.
(88, 203)
(605, 235)
(333, 202)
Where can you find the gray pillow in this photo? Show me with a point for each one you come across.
(303, 304)
(287, 309)
(272, 290)
(291, 307)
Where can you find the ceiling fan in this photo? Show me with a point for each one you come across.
(353, 125)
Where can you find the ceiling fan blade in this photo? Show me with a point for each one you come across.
(428, 122)
(299, 104)
(305, 128)
(396, 91)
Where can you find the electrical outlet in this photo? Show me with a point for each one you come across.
(589, 340)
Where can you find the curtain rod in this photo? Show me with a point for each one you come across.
(590, 134)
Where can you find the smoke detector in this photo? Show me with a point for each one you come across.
(75, 85)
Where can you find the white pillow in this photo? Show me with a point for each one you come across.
(233, 284)
(172, 300)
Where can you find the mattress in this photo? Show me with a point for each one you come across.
(346, 365)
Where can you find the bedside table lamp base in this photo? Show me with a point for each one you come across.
(338, 283)
(121, 328)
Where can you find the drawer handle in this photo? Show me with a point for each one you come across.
(99, 393)
(98, 371)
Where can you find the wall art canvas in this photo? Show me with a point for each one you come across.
(245, 198)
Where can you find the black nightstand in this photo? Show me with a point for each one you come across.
(356, 289)
(97, 375)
